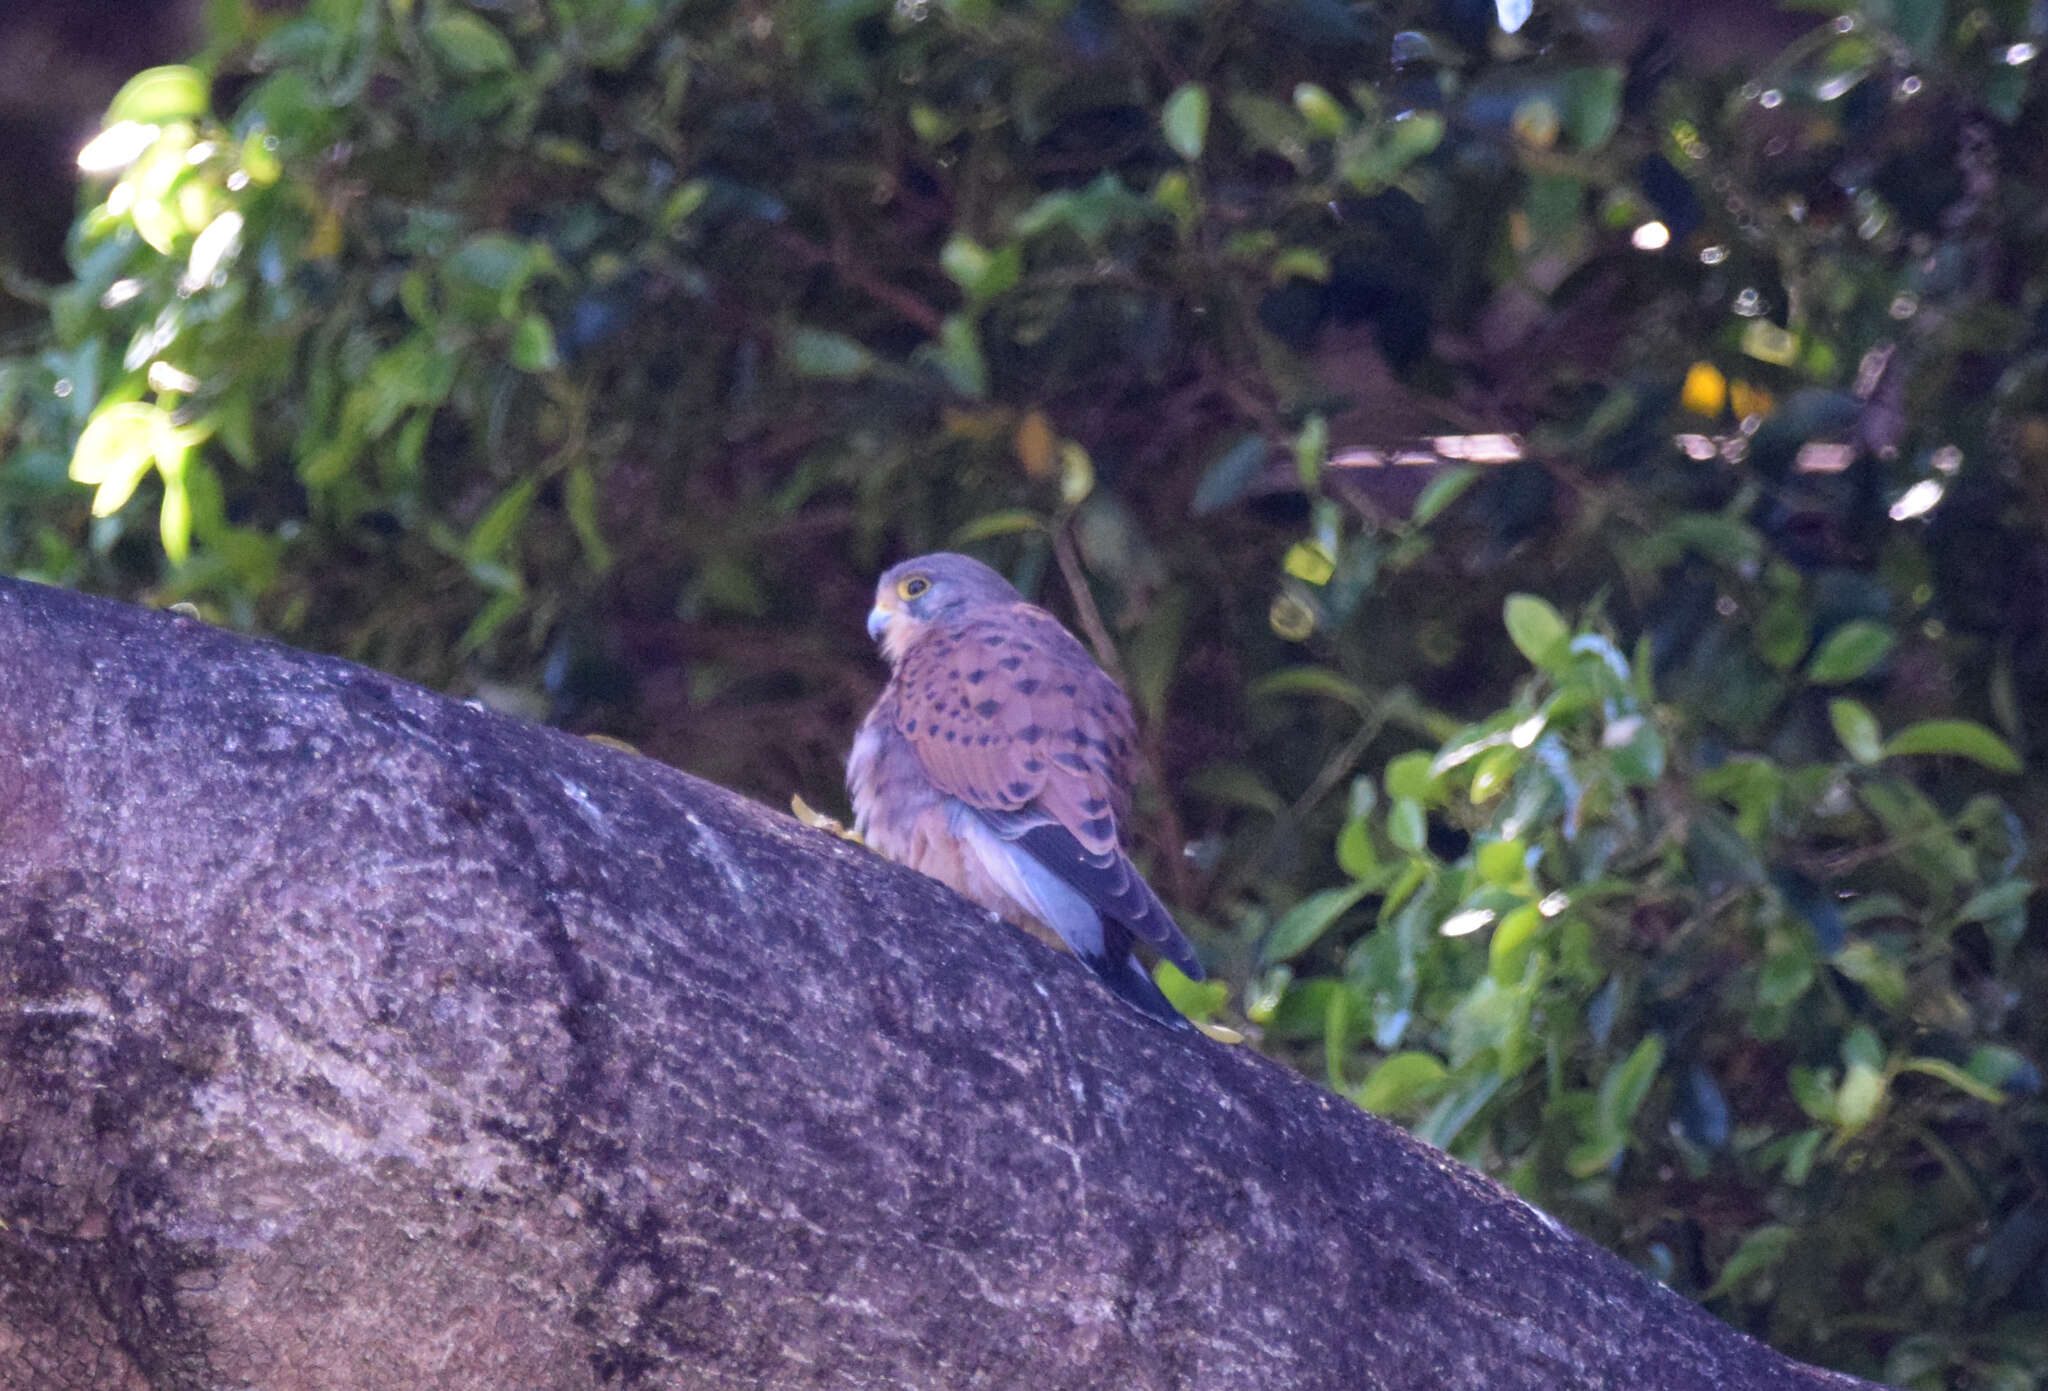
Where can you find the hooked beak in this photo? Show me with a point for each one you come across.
(879, 620)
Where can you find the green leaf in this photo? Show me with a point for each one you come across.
(1856, 727)
(1459, 1107)
(495, 615)
(1411, 776)
(1012, 522)
(1312, 446)
(817, 352)
(1233, 784)
(1321, 110)
(1814, 1089)
(982, 274)
(1493, 773)
(156, 95)
(469, 44)
(1406, 826)
(533, 345)
(116, 449)
(1870, 968)
(1441, 491)
(1997, 1066)
(1514, 938)
(1538, 630)
(1800, 1154)
(1503, 863)
(1301, 925)
(1948, 1072)
(1185, 120)
(1962, 738)
(1760, 1251)
(174, 520)
(488, 537)
(580, 497)
(1199, 1000)
(1232, 475)
(1988, 905)
(1627, 1084)
(1299, 263)
(1858, 1098)
(1783, 979)
(1782, 632)
(1849, 653)
(676, 210)
(1403, 1082)
(1356, 855)
(1635, 749)
(1494, 732)
(1309, 681)
(1310, 562)
(1592, 105)
(958, 356)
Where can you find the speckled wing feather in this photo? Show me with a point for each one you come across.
(1008, 714)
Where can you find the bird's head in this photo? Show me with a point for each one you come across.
(929, 589)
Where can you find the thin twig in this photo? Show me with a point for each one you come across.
(1084, 600)
(864, 280)
(1168, 832)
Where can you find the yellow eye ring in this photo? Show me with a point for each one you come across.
(912, 587)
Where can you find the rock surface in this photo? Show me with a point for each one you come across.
(351, 1037)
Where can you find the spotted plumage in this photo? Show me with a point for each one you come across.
(999, 760)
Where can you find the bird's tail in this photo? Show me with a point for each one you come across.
(1118, 968)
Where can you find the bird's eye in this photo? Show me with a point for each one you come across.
(912, 587)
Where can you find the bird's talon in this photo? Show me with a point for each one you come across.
(818, 821)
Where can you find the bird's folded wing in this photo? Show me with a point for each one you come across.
(1008, 714)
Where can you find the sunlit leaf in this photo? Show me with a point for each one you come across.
(1961, 738)
(156, 95)
(1309, 562)
(174, 518)
(1507, 955)
(1538, 631)
(116, 449)
(1199, 1000)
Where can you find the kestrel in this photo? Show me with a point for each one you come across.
(999, 761)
